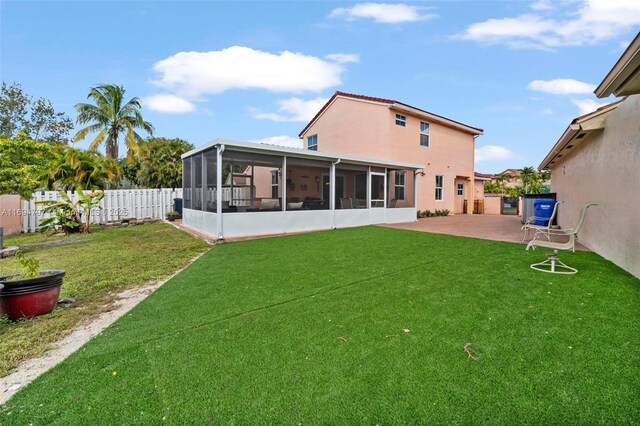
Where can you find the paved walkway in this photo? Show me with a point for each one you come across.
(484, 226)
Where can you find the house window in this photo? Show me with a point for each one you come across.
(312, 143)
(424, 134)
(439, 186)
(274, 184)
(460, 189)
(401, 120)
(399, 185)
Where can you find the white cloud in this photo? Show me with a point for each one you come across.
(591, 22)
(383, 13)
(586, 105)
(343, 58)
(193, 74)
(624, 44)
(542, 5)
(562, 86)
(546, 111)
(287, 141)
(293, 109)
(492, 153)
(167, 103)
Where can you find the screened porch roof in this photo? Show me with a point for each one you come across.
(300, 153)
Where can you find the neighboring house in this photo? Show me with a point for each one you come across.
(479, 180)
(393, 131)
(513, 179)
(597, 159)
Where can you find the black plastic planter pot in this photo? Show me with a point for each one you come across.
(30, 297)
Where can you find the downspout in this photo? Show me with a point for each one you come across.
(220, 150)
(415, 188)
(332, 193)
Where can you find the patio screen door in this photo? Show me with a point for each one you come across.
(378, 189)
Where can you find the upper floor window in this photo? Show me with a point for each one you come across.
(312, 143)
(439, 187)
(399, 185)
(460, 188)
(424, 134)
(401, 120)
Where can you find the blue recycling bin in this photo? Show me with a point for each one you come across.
(543, 210)
(177, 205)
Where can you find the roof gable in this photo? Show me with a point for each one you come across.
(393, 104)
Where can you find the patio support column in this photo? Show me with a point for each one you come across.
(415, 191)
(332, 192)
(283, 182)
(369, 187)
(219, 151)
(470, 194)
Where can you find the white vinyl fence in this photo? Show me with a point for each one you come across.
(116, 204)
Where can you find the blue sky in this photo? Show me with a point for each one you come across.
(258, 70)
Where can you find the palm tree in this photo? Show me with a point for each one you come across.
(501, 179)
(75, 168)
(110, 116)
(528, 176)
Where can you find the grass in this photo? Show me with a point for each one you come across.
(360, 326)
(97, 265)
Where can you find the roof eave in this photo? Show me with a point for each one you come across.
(584, 124)
(626, 68)
(300, 153)
(437, 118)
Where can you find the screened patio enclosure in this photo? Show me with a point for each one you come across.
(235, 189)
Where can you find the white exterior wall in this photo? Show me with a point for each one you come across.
(268, 223)
(604, 168)
(202, 221)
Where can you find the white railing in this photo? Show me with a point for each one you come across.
(116, 204)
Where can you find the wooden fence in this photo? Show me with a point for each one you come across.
(116, 204)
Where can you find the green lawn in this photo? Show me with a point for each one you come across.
(97, 264)
(360, 326)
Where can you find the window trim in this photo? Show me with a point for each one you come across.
(460, 189)
(402, 185)
(401, 120)
(441, 188)
(313, 147)
(425, 132)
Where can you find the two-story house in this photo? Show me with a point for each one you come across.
(393, 131)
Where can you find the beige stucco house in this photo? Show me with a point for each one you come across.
(597, 159)
(393, 131)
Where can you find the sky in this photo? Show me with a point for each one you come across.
(258, 71)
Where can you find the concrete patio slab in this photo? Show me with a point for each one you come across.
(486, 227)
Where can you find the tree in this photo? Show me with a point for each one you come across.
(22, 165)
(129, 177)
(75, 168)
(111, 116)
(501, 179)
(39, 120)
(528, 177)
(161, 163)
(48, 125)
(492, 188)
